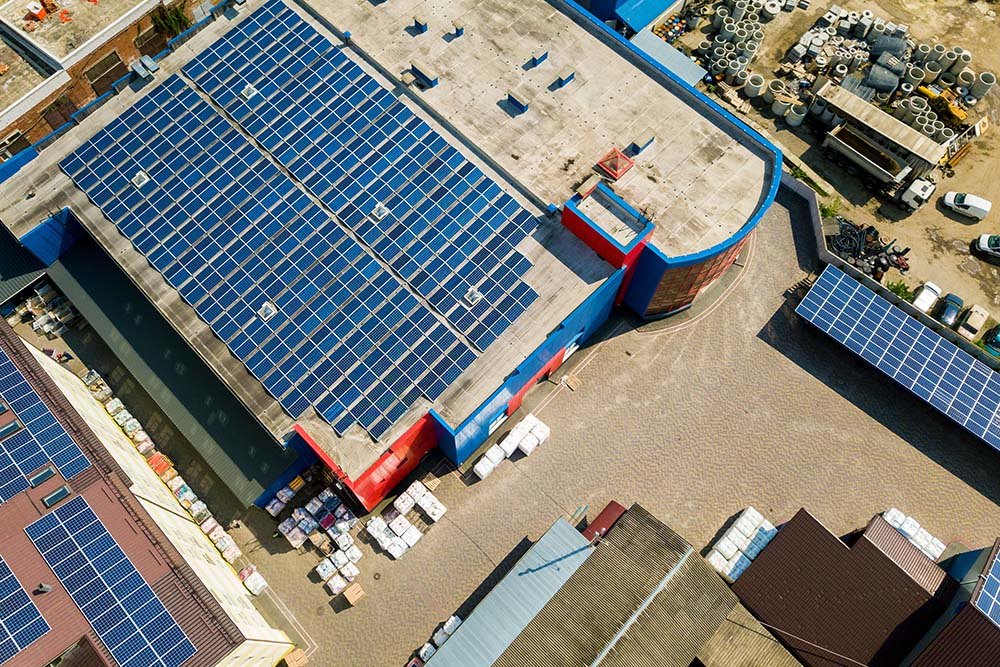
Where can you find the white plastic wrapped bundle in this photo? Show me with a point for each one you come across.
(412, 536)
(923, 539)
(427, 500)
(417, 490)
(738, 565)
(255, 583)
(495, 455)
(123, 417)
(223, 543)
(768, 530)
(132, 426)
(399, 525)
(426, 651)
(403, 503)
(541, 432)
(910, 527)
(716, 560)
(483, 468)
(336, 584)
(436, 511)
(209, 525)
(314, 506)
(274, 507)
(451, 625)
(509, 445)
(528, 444)
(735, 536)
(752, 515)
(339, 559)
(752, 550)
(140, 436)
(354, 553)
(397, 548)
(326, 569)
(935, 549)
(349, 571)
(231, 553)
(725, 547)
(114, 406)
(341, 527)
(745, 526)
(375, 526)
(894, 517)
(440, 637)
(344, 541)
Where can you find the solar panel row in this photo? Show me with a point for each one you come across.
(20, 621)
(117, 602)
(988, 599)
(932, 367)
(443, 224)
(41, 440)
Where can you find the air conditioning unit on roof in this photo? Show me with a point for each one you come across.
(267, 311)
(380, 211)
(249, 92)
(473, 296)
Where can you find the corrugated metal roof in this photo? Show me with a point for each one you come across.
(899, 132)
(18, 267)
(827, 600)
(969, 640)
(686, 69)
(638, 14)
(511, 605)
(643, 597)
(743, 642)
(901, 551)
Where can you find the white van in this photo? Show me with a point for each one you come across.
(968, 205)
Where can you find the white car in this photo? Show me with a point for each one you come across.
(989, 244)
(968, 205)
(926, 296)
(972, 322)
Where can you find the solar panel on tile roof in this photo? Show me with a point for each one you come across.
(935, 369)
(41, 440)
(20, 621)
(117, 602)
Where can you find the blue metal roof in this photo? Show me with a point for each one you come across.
(679, 64)
(637, 14)
(519, 596)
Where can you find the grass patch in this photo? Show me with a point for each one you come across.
(830, 208)
(800, 174)
(900, 289)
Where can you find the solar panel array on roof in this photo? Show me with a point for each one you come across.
(317, 317)
(117, 602)
(41, 440)
(988, 599)
(932, 367)
(432, 215)
(20, 622)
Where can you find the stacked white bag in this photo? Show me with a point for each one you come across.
(526, 435)
(919, 537)
(732, 554)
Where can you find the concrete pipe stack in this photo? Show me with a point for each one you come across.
(770, 10)
(937, 52)
(755, 84)
(818, 106)
(905, 89)
(932, 70)
(966, 78)
(740, 80)
(728, 30)
(947, 79)
(721, 14)
(774, 87)
(899, 113)
(948, 60)
(963, 60)
(796, 114)
(983, 85)
(944, 135)
(914, 76)
(840, 70)
(780, 107)
(922, 53)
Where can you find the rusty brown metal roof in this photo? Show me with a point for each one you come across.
(835, 605)
(644, 597)
(969, 640)
(903, 553)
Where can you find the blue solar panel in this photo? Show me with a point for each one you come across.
(20, 621)
(988, 598)
(935, 369)
(120, 606)
(42, 439)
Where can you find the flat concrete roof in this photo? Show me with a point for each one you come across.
(699, 182)
(20, 79)
(564, 273)
(61, 37)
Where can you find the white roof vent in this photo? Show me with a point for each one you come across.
(267, 311)
(473, 296)
(140, 179)
(380, 211)
(249, 92)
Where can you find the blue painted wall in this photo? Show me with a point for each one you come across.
(605, 9)
(13, 165)
(306, 458)
(459, 444)
(51, 238)
(649, 270)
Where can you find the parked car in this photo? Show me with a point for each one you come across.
(972, 321)
(989, 244)
(991, 341)
(949, 309)
(926, 296)
(968, 205)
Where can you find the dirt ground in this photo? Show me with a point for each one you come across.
(939, 239)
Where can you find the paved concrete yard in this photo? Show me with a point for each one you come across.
(742, 405)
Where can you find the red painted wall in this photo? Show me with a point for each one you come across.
(392, 467)
(516, 400)
(604, 248)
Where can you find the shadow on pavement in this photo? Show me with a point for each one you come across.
(916, 422)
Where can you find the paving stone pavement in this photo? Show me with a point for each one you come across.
(743, 404)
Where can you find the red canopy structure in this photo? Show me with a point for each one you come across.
(615, 164)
